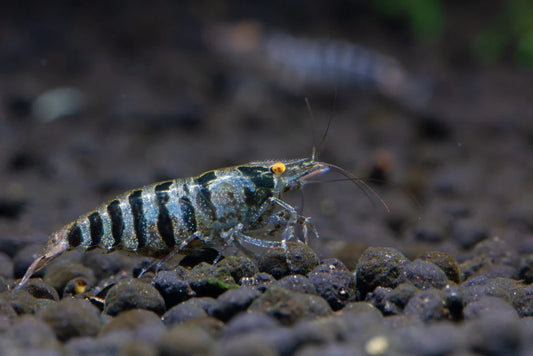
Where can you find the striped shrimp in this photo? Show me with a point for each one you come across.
(219, 208)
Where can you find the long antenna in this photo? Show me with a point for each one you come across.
(313, 153)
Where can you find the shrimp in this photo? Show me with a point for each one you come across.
(219, 208)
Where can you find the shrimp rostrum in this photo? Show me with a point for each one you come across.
(220, 208)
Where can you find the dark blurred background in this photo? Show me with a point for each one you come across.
(431, 105)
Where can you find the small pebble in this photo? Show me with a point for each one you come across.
(288, 306)
(61, 272)
(173, 287)
(522, 300)
(132, 294)
(245, 346)
(361, 308)
(232, 302)
(430, 339)
(424, 274)
(495, 333)
(297, 283)
(486, 305)
(445, 262)
(71, 318)
(298, 259)
(379, 266)
(29, 331)
(185, 340)
(426, 305)
(238, 266)
(143, 324)
(249, 322)
(40, 289)
(209, 280)
(24, 303)
(332, 350)
(337, 287)
(183, 312)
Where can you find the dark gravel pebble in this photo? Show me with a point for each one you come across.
(71, 318)
(337, 287)
(143, 324)
(102, 346)
(281, 339)
(183, 312)
(486, 305)
(496, 333)
(247, 345)
(288, 306)
(249, 322)
(132, 294)
(493, 258)
(238, 266)
(426, 305)
(480, 286)
(423, 275)
(136, 348)
(431, 339)
(31, 332)
(361, 308)
(330, 350)
(391, 301)
(185, 340)
(331, 264)
(40, 289)
(379, 266)
(298, 259)
(232, 302)
(61, 272)
(522, 300)
(173, 287)
(297, 283)
(24, 303)
(209, 280)
(445, 262)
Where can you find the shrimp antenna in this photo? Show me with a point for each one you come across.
(313, 153)
(318, 148)
(365, 188)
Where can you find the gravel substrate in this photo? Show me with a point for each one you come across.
(387, 305)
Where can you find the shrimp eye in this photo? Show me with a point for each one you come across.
(278, 168)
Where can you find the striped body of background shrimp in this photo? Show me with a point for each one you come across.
(216, 209)
(298, 63)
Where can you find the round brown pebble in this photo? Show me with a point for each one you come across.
(131, 293)
(288, 306)
(72, 317)
(297, 259)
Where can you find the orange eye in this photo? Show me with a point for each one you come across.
(278, 168)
